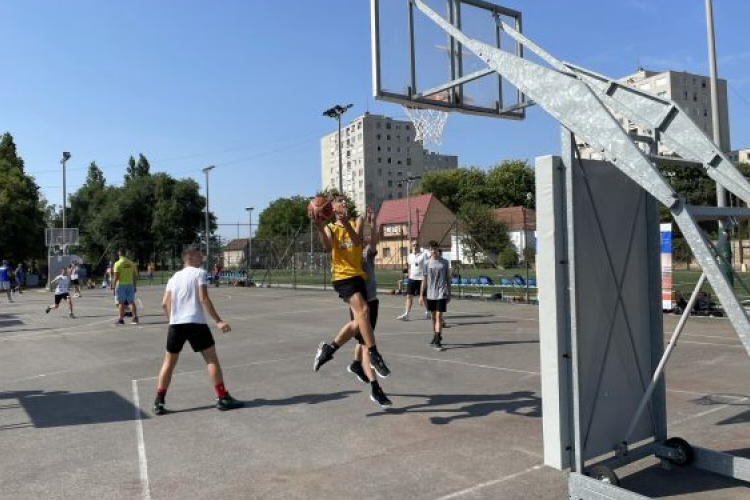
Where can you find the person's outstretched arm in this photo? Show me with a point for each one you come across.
(208, 306)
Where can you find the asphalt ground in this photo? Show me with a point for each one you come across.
(76, 394)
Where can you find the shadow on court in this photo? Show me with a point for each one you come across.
(656, 482)
(729, 400)
(302, 399)
(62, 408)
(495, 343)
(521, 403)
(9, 320)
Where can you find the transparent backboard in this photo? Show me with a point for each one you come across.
(57, 236)
(413, 58)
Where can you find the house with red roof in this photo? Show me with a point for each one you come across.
(521, 222)
(430, 220)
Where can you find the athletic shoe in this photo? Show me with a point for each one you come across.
(325, 354)
(380, 398)
(135, 321)
(78, 295)
(356, 369)
(119, 322)
(228, 403)
(159, 408)
(377, 364)
(47, 310)
(438, 345)
(403, 317)
(71, 315)
(427, 315)
(434, 339)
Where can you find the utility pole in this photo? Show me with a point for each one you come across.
(208, 229)
(249, 245)
(408, 181)
(65, 158)
(725, 246)
(337, 112)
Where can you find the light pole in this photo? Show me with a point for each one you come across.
(208, 229)
(336, 112)
(725, 247)
(408, 181)
(249, 244)
(65, 158)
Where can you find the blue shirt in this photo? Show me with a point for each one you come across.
(19, 274)
(4, 273)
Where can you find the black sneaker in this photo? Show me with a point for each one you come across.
(438, 345)
(377, 364)
(356, 369)
(380, 398)
(47, 310)
(119, 322)
(434, 338)
(325, 354)
(228, 403)
(159, 408)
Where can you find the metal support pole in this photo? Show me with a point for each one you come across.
(721, 194)
(664, 359)
(525, 253)
(249, 266)
(341, 160)
(208, 228)
(65, 158)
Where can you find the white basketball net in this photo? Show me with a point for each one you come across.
(428, 124)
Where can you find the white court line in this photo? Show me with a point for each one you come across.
(710, 343)
(491, 483)
(708, 412)
(225, 368)
(499, 368)
(142, 462)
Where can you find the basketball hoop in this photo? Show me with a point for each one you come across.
(428, 122)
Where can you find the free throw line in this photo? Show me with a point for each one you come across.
(142, 462)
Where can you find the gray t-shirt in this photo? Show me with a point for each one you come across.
(436, 274)
(368, 266)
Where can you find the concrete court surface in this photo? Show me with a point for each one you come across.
(75, 398)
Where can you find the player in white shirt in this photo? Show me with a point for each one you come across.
(74, 281)
(184, 302)
(417, 260)
(62, 291)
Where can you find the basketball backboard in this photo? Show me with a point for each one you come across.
(413, 59)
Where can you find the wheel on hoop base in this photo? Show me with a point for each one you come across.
(684, 452)
(603, 474)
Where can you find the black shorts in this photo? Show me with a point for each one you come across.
(373, 306)
(59, 297)
(349, 286)
(414, 287)
(440, 305)
(74, 282)
(198, 334)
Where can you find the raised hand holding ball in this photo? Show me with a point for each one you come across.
(319, 209)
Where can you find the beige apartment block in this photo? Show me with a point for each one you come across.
(377, 153)
(691, 92)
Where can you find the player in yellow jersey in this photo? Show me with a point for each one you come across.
(345, 242)
(124, 284)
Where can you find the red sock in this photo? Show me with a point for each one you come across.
(160, 393)
(221, 391)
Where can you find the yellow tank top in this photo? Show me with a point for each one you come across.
(346, 257)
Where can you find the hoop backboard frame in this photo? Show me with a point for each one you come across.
(57, 236)
(456, 77)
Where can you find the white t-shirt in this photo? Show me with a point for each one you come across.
(416, 265)
(184, 287)
(74, 273)
(63, 284)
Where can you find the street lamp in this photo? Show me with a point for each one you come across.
(249, 244)
(408, 181)
(208, 230)
(65, 158)
(336, 112)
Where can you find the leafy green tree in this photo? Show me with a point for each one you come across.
(85, 206)
(681, 252)
(511, 184)
(282, 217)
(22, 210)
(130, 172)
(508, 258)
(485, 234)
(142, 168)
(445, 185)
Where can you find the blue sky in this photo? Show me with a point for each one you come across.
(242, 84)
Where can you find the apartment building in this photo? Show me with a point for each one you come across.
(740, 155)
(691, 92)
(377, 153)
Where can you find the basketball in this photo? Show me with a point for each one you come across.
(320, 209)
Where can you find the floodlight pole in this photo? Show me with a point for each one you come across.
(337, 112)
(721, 194)
(208, 229)
(65, 158)
(408, 181)
(249, 244)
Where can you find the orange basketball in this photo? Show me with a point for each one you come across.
(320, 209)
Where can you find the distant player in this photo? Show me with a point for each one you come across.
(19, 278)
(417, 261)
(150, 270)
(436, 289)
(184, 302)
(62, 292)
(75, 283)
(5, 279)
(361, 364)
(124, 284)
(344, 241)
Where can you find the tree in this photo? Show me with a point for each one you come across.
(485, 234)
(444, 185)
(508, 258)
(282, 216)
(130, 173)
(142, 168)
(22, 210)
(511, 184)
(85, 206)
(681, 252)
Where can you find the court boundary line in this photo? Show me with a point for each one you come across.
(479, 486)
(142, 460)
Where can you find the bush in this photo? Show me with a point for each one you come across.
(508, 258)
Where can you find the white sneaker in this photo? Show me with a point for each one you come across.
(427, 315)
(403, 317)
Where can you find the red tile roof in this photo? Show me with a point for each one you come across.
(513, 217)
(395, 211)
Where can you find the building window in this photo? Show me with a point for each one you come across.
(378, 148)
(389, 160)
(380, 160)
(388, 125)
(408, 161)
(377, 125)
(380, 171)
(386, 252)
(390, 184)
(404, 252)
(388, 137)
(408, 127)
